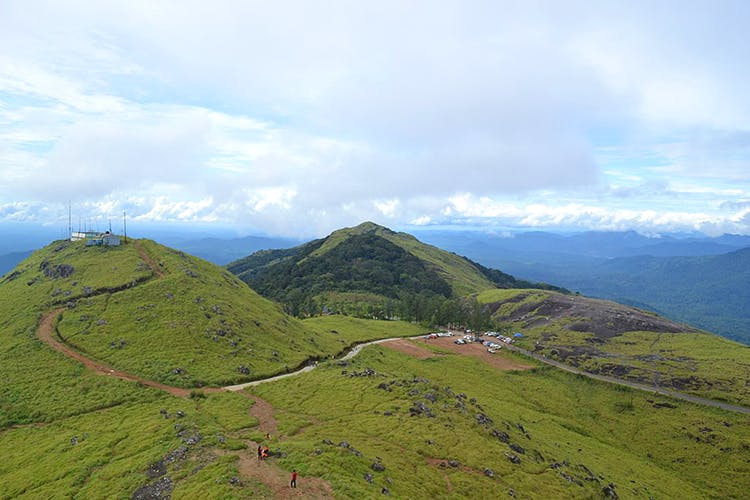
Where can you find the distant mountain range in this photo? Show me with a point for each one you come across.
(702, 281)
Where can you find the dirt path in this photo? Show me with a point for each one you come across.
(473, 349)
(263, 411)
(46, 332)
(277, 480)
(148, 260)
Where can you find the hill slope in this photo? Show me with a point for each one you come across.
(159, 313)
(366, 259)
(608, 338)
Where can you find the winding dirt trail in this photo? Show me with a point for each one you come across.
(46, 333)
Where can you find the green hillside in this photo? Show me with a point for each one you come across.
(158, 313)
(434, 424)
(367, 263)
(608, 338)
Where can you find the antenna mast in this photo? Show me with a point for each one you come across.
(124, 227)
(70, 222)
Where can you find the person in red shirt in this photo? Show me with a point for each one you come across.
(293, 484)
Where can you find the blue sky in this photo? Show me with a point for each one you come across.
(297, 118)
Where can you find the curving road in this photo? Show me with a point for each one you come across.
(634, 385)
(46, 333)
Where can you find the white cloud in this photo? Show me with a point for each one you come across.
(298, 118)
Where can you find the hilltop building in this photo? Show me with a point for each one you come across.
(94, 238)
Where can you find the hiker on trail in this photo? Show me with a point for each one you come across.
(293, 484)
(260, 452)
(265, 452)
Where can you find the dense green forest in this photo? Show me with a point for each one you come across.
(361, 272)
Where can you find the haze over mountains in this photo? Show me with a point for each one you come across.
(699, 280)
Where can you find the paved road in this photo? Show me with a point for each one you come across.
(634, 385)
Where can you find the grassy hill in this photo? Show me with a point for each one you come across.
(442, 426)
(366, 263)
(159, 313)
(608, 338)
(448, 426)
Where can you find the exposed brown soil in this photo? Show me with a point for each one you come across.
(277, 480)
(46, 332)
(477, 350)
(148, 260)
(263, 411)
(410, 348)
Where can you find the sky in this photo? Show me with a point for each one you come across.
(295, 118)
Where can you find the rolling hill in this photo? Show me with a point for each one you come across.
(157, 313)
(421, 422)
(366, 263)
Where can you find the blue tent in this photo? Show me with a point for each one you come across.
(518, 334)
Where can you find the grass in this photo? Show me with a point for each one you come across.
(65, 432)
(347, 330)
(578, 424)
(697, 363)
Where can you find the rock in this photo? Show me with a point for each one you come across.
(517, 448)
(502, 436)
(74, 440)
(158, 489)
(489, 473)
(235, 481)
(177, 455)
(431, 397)
(368, 477)
(192, 440)
(454, 464)
(328, 442)
(483, 419)
(178, 371)
(609, 491)
(387, 413)
(420, 408)
(385, 491)
(180, 414)
(377, 467)
(511, 492)
(243, 370)
(157, 469)
(513, 458)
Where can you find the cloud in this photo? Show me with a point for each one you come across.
(295, 117)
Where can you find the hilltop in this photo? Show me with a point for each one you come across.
(158, 313)
(366, 264)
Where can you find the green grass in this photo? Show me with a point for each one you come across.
(697, 363)
(685, 452)
(105, 453)
(347, 330)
